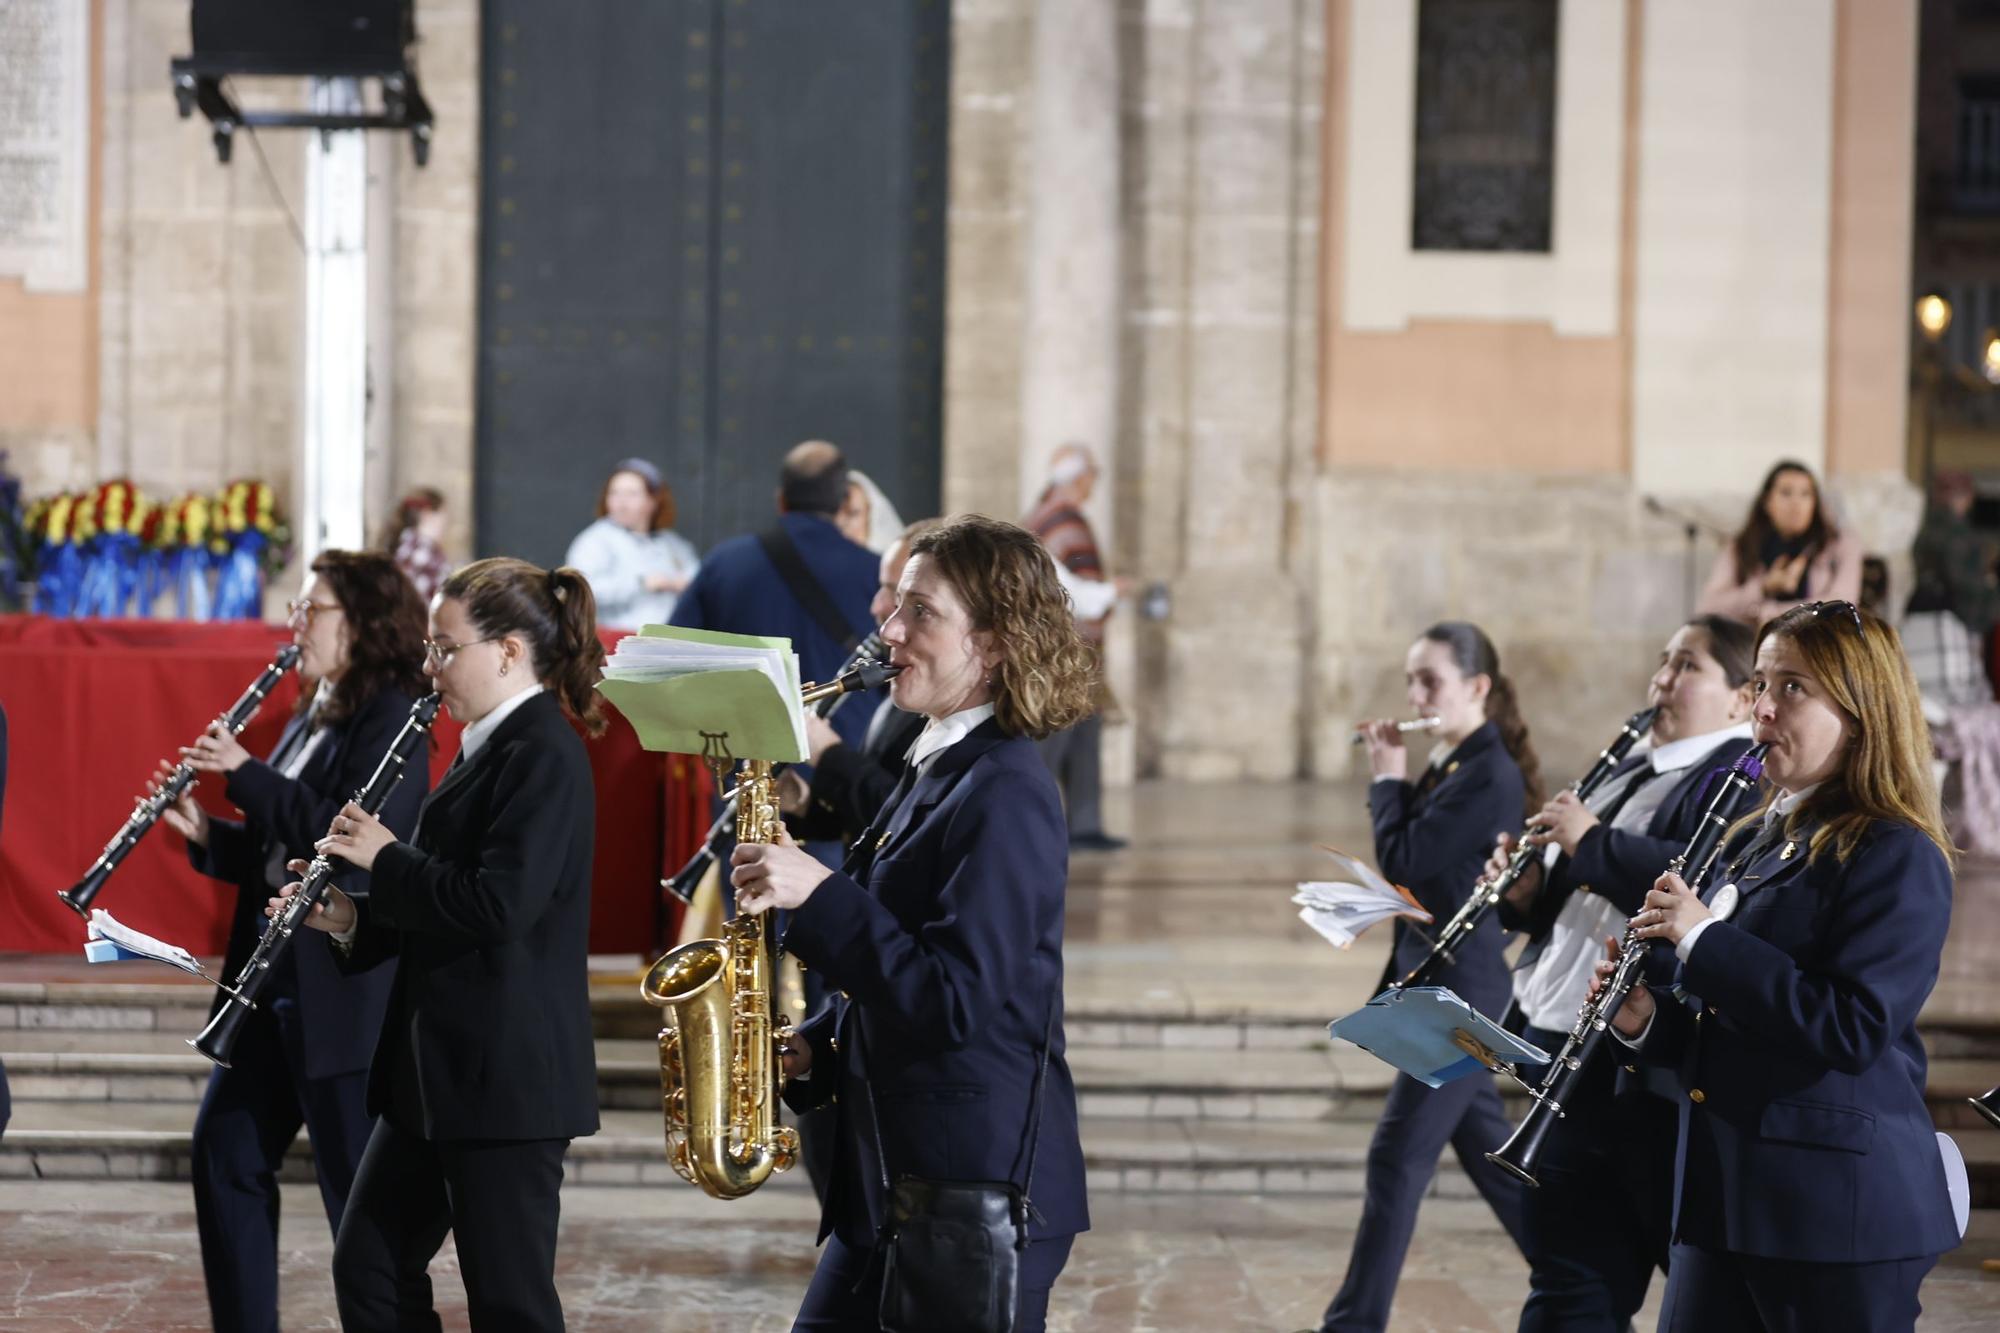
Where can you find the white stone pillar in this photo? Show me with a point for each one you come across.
(336, 371)
(1069, 354)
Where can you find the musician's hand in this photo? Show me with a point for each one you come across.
(773, 874)
(184, 816)
(820, 736)
(1388, 757)
(793, 793)
(356, 837)
(1563, 821)
(1521, 893)
(1637, 1011)
(333, 913)
(665, 583)
(216, 751)
(795, 1057)
(1672, 909)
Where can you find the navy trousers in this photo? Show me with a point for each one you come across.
(1416, 1124)
(248, 1118)
(1709, 1291)
(832, 1305)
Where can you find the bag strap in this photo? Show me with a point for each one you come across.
(809, 591)
(1031, 1133)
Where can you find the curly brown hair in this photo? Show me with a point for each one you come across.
(386, 623)
(1047, 676)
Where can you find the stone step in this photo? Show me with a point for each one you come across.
(1317, 1084)
(100, 1065)
(150, 1142)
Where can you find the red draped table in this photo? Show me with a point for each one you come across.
(93, 705)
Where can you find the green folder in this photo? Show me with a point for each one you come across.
(757, 720)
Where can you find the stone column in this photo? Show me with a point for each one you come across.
(1069, 338)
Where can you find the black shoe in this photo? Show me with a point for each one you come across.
(1096, 842)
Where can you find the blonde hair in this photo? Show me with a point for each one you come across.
(1857, 658)
(1047, 675)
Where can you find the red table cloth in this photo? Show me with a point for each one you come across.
(93, 705)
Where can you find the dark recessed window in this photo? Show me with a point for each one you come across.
(1486, 118)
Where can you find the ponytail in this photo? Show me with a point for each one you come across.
(1474, 655)
(1503, 710)
(554, 611)
(575, 677)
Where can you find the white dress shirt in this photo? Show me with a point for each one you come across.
(941, 733)
(1552, 989)
(476, 734)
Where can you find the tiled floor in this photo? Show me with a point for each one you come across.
(123, 1256)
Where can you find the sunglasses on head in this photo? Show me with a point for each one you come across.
(1846, 609)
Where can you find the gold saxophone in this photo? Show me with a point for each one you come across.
(719, 1070)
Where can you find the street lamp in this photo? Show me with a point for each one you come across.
(1934, 318)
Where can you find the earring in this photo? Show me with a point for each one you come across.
(503, 668)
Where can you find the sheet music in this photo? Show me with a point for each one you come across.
(112, 941)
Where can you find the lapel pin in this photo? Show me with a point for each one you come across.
(1451, 768)
(882, 841)
(1786, 854)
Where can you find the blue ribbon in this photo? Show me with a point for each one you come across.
(239, 588)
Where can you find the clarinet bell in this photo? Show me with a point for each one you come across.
(1518, 1155)
(218, 1040)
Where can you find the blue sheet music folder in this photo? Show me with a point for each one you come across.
(1432, 1035)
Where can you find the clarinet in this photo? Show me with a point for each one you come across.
(1486, 894)
(147, 812)
(871, 653)
(218, 1040)
(1519, 1154)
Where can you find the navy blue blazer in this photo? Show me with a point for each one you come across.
(951, 961)
(1436, 845)
(488, 1033)
(1803, 1130)
(342, 1011)
(739, 591)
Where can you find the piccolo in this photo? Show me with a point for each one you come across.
(1406, 726)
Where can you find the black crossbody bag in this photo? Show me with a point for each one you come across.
(950, 1250)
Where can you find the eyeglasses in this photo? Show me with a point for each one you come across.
(307, 608)
(1840, 609)
(440, 654)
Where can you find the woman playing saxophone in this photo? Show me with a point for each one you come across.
(945, 928)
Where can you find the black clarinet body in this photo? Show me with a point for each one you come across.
(78, 896)
(218, 1040)
(1593, 1023)
(1486, 894)
(852, 677)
